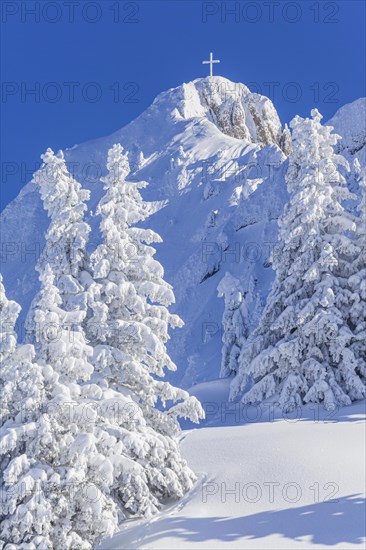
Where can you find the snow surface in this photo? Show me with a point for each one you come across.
(350, 123)
(234, 449)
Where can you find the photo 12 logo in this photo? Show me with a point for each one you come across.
(270, 12)
(270, 491)
(69, 92)
(69, 11)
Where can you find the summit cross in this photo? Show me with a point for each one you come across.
(211, 62)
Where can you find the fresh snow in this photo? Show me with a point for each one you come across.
(293, 449)
(349, 122)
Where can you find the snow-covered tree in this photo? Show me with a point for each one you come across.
(65, 250)
(235, 322)
(302, 349)
(49, 448)
(9, 311)
(21, 394)
(177, 174)
(129, 327)
(179, 158)
(16, 384)
(51, 451)
(81, 453)
(357, 280)
(57, 490)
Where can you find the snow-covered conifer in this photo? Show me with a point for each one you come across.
(56, 491)
(51, 451)
(302, 349)
(18, 384)
(235, 323)
(65, 250)
(92, 448)
(9, 311)
(129, 330)
(21, 394)
(357, 279)
(56, 445)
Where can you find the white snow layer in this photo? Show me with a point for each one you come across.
(265, 481)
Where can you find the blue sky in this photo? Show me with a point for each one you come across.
(95, 65)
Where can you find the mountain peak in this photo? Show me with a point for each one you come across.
(230, 106)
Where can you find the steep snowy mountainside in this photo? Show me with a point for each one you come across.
(350, 123)
(204, 147)
(210, 152)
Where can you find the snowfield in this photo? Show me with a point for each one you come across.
(285, 483)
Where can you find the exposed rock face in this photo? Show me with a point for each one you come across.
(286, 141)
(239, 113)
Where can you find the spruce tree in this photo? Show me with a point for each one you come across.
(56, 492)
(357, 279)
(302, 349)
(23, 513)
(65, 250)
(89, 449)
(128, 327)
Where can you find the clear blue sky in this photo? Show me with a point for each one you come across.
(95, 65)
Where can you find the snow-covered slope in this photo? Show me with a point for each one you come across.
(211, 152)
(350, 123)
(264, 482)
(204, 148)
